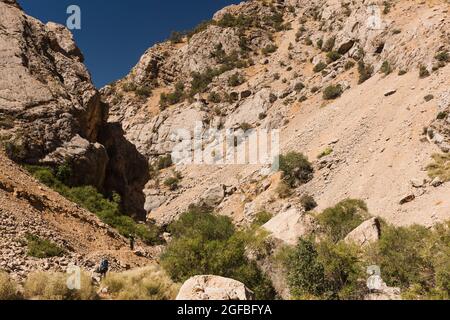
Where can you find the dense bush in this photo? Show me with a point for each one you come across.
(107, 210)
(320, 66)
(296, 168)
(339, 220)
(42, 248)
(332, 92)
(305, 275)
(308, 203)
(235, 80)
(443, 56)
(177, 96)
(333, 56)
(201, 81)
(270, 48)
(415, 259)
(204, 243)
(262, 218)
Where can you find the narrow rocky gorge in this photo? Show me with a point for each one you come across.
(358, 91)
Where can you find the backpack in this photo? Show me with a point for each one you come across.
(104, 265)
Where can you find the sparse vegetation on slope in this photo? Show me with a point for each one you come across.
(108, 210)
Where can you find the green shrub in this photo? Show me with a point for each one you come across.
(299, 86)
(402, 72)
(365, 71)
(443, 56)
(201, 81)
(332, 92)
(144, 91)
(415, 259)
(129, 87)
(164, 162)
(174, 97)
(305, 274)
(64, 173)
(235, 80)
(428, 97)
(320, 43)
(270, 48)
(204, 243)
(343, 270)
(15, 150)
(423, 72)
(42, 248)
(214, 97)
(262, 218)
(337, 222)
(172, 183)
(320, 66)
(308, 203)
(296, 168)
(333, 56)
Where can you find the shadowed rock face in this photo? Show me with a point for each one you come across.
(127, 171)
(51, 113)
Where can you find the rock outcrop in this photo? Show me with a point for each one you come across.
(214, 288)
(51, 113)
(368, 232)
(291, 225)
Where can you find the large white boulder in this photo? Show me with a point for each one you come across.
(210, 287)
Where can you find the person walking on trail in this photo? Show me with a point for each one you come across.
(103, 268)
(132, 242)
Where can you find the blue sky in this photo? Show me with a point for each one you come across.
(115, 33)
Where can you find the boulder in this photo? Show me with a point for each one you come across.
(87, 160)
(213, 196)
(290, 225)
(210, 287)
(369, 231)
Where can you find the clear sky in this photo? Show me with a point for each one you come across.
(115, 33)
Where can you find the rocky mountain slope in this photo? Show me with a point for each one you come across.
(51, 113)
(288, 53)
(29, 208)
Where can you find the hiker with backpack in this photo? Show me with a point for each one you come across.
(103, 268)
